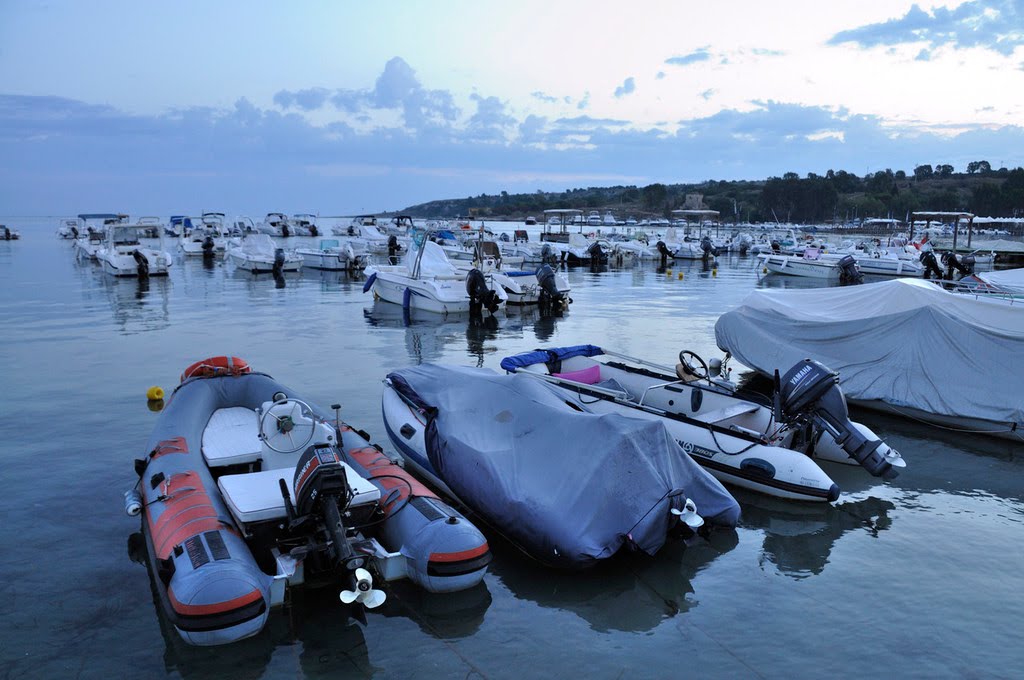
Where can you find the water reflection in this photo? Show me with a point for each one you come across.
(139, 304)
(448, 616)
(798, 537)
(631, 592)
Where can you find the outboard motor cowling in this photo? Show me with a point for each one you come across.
(479, 294)
(810, 392)
(931, 265)
(278, 260)
(547, 253)
(549, 295)
(663, 251)
(849, 273)
(208, 246)
(596, 253)
(141, 264)
(322, 490)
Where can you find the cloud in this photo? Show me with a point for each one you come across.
(706, 94)
(989, 24)
(701, 54)
(307, 100)
(490, 122)
(628, 87)
(763, 52)
(585, 102)
(659, 75)
(546, 98)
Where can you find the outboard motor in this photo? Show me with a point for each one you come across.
(285, 232)
(74, 232)
(141, 264)
(965, 265)
(931, 265)
(278, 261)
(479, 294)
(313, 231)
(709, 249)
(393, 249)
(549, 296)
(810, 394)
(7, 234)
(596, 253)
(664, 252)
(208, 246)
(547, 253)
(849, 274)
(776, 246)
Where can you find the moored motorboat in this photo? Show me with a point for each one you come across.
(247, 492)
(569, 488)
(8, 234)
(741, 438)
(123, 255)
(258, 253)
(334, 255)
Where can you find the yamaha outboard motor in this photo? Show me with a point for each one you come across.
(810, 394)
(141, 264)
(931, 265)
(549, 296)
(208, 246)
(849, 274)
(664, 252)
(278, 261)
(479, 294)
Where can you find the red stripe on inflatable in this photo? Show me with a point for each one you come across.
(383, 472)
(215, 607)
(172, 445)
(185, 532)
(459, 556)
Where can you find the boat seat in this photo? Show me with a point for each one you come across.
(726, 412)
(256, 496)
(232, 437)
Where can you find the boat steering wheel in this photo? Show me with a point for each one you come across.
(684, 358)
(287, 426)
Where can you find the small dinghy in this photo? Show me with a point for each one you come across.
(247, 491)
(741, 438)
(567, 487)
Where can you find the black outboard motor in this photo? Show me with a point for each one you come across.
(322, 491)
(664, 252)
(776, 246)
(709, 249)
(479, 294)
(7, 234)
(547, 253)
(74, 232)
(849, 274)
(141, 264)
(278, 261)
(313, 231)
(393, 249)
(208, 246)
(596, 253)
(810, 393)
(964, 265)
(549, 296)
(285, 232)
(931, 265)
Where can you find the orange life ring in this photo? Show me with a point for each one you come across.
(215, 366)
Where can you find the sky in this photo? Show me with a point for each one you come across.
(341, 107)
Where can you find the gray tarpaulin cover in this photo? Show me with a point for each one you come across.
(905, 342)
(569, 488)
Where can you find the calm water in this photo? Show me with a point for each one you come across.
(920, 577)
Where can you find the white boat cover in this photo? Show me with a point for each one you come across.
(906, 342)
(258, 245)
(569, 488)
(1006, 279)
(434, 262)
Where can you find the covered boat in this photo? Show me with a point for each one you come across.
(904, 346)
(258, 253)
(741, 438)
(247, 491)
(567, 487)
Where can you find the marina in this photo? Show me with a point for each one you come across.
(910, 571)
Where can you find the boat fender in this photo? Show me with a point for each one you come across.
(132, 503)
(369, 282)
(141, 263)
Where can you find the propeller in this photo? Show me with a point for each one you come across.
(363, 592)
(688, 515)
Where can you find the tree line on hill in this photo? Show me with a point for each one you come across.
(835, 197)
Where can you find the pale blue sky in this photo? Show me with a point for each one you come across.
(344, 107)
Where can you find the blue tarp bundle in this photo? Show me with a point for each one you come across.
(544, 356)
(569, 488)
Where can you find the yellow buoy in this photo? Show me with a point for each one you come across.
(668, 272)
(714, 272)
(680, 276)
(765, 270)
(155, 393)
(155, 405)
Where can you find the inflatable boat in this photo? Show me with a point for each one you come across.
(248, 491)
(742, 438)
(567, 487)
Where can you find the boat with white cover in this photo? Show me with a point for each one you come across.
(903, 346)
(122, 254)
(428, 281)
(248, 492)
(741, 438)
(258, 253)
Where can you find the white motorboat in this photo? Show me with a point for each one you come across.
(123, 255)
(609, 219)
(150, 227)
(68, 229)
(275, 224)
(258, 253)
(93, 236)
(207, 239)
(594, 219)
(430, 282)
(304, 224)
(364, 227)
(334, 255)
(542, 286)
(740, 438)
(811, 265)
